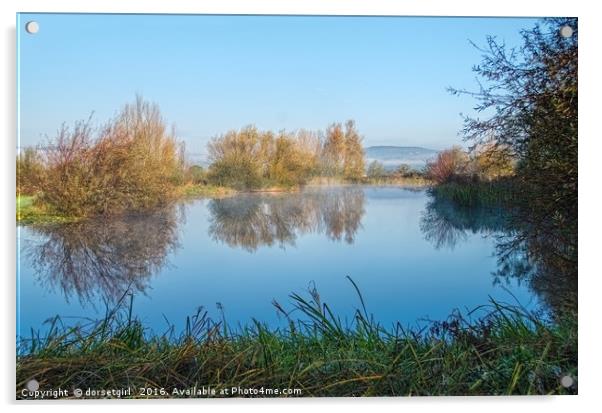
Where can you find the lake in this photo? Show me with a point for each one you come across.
(414, 258)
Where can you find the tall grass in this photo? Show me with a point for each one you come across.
(497, 193)
(506, 350)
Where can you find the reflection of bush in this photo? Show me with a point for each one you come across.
(525, 252)
(532, 255)
(104, 257)
(251, 221)
(445, 223)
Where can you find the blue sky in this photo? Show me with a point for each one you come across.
(210, 74)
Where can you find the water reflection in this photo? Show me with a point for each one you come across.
(550, 274)
(252, 221)
(523, 252)
(446, 224)
(103, 258)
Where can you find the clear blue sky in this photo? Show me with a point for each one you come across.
(210, 74)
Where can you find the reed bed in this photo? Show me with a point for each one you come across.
(501, 192)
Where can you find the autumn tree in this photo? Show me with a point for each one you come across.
(333, 152)
(491, 161)
(353, 165)
(239, 158)
(250, 158)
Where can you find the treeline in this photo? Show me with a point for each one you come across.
(135, 162)
(131, 163)
(249, 158)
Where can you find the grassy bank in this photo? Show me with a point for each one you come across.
(31, 212)
(506, 351)
(497, 193)
(203, 191)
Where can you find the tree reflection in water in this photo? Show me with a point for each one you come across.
(522, 251)
(104, 257)
(445, 224)
(255, 220)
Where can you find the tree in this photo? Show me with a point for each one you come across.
(333, 152)
(531, 92)
(491, 161)
(353, 168)
(288, 164)
(239, 158)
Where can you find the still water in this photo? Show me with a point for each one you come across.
(413, 258)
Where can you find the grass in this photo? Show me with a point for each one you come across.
(204, 191)
(31, 212)
(505, 351)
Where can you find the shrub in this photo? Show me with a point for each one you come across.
(249, 158)
(448, 164)
(197, 175)
(289, 165)
(132, 163)
(376, 170)
(29, 171)
(239, 158)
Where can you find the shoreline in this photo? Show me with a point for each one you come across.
(28, 212)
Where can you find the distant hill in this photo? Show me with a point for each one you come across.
(393, 156)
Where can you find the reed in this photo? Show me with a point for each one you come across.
(498, 193)
(506, 350)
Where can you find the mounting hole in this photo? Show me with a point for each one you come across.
(566, 31)
(32, 27)
(33, 385)
(566, 381)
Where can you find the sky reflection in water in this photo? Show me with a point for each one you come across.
(412, 256)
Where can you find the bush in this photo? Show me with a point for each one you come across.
(234, 173)
(132, 163)
(448, 165)
(197, 175)
(406, 171)
(289, 165)
(239, 158)
(29, 171)
(376, 170)
(250, 158)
